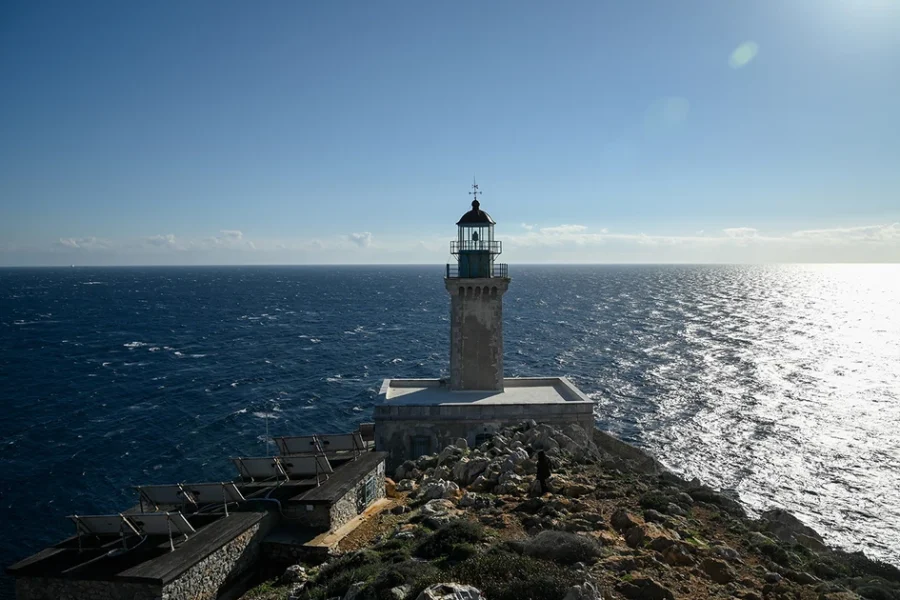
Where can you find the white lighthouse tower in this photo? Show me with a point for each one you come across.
(476, 284)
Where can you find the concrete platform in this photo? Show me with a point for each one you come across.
(517, 390)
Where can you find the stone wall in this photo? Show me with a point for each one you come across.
(48, 588)
(205, 579)
(351, 503)
(314, 516)
(396, 425)
(476, 333)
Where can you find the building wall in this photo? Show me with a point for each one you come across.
(476, 333)
(396, 425)
(47, 588)
(204, 580)
(314, 516)
(353, 502)
(323, 517)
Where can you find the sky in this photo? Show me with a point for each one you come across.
(136, 133)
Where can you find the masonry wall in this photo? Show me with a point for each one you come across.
(204, 580)
(396, 425)
(352, 503)
(314, 516)
(476, 333)
(325, 517)
(47, 588)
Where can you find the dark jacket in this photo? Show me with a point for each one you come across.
(543, 466)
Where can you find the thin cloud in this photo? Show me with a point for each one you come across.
(563, 229)
(363, 240)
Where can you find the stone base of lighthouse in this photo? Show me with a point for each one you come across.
(476, 332)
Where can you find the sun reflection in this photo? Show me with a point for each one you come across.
(743, 55)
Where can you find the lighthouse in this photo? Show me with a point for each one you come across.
(414, 417)
(476, 284)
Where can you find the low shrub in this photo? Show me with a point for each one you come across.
(442, 541)
(562, 547)
(461, 552)
(503, 575)
(336, 577)
(656, 500)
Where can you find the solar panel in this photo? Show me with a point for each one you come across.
(210, 493)
(157, 495)
(306, 466)
(259, 468)
(301, 444)
(161, 523)
(103, 524)
(345, 442)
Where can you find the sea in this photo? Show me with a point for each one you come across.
(779, 383)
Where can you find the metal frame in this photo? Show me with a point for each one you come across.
(82, 527)
(275, 460)
(316, 447)
(187, 497)
(168, 516)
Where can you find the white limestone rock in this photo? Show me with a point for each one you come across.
(354, 590)
(439, 488)
(294, 574)
(585, 591)
(437, 507)
(406, 485)
(450, 591)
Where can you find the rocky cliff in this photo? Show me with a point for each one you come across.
(473, 523)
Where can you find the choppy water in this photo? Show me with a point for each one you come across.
(780, 382)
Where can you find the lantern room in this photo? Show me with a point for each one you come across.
(475, 248)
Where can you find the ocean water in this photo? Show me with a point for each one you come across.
(781, 383)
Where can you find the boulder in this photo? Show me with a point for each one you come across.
(437, 507)
(677, 556)
(717, 570)
(400, 592)
(404, 470)
(622, 520)
(439, 488)
(297, 591)
(450, 591)
(405, 485)
(461, 443)
(788, 528)
(575, 490)
(644, 588)
(429, 461)
(634, 537)
(585, 591)
(390, 488)
(448, 454)
(674, 509)
(473, 469)
(294, 574)
(354, 590)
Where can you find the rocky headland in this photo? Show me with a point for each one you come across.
(471, 523)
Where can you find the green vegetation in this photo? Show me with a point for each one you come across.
(563, 548)
(443, 541)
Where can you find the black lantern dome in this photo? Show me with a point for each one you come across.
(476, 216)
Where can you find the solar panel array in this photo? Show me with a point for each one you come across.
(319, 444)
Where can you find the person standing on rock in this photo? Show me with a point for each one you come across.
(543, 471)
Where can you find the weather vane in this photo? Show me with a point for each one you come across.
(475, 191)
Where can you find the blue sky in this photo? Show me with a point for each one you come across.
(657, 131)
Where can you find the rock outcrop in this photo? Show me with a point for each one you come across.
(471, 523)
